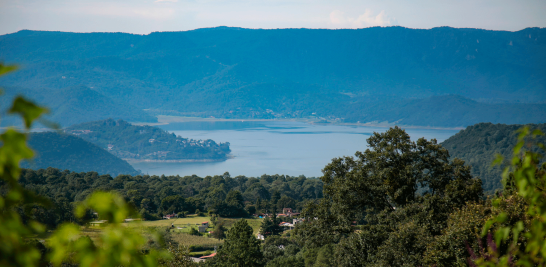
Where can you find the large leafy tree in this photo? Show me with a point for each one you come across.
(391, 171)
(241, 248)
(398, 189)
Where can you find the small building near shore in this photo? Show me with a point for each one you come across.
(170, 216)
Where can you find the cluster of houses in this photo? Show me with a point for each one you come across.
(170, 216)
(188, 142)
(286, 212)
(290, 219)
(80, 132)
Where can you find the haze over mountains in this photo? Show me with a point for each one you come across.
(439, 77)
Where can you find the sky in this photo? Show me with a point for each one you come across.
(145, 16)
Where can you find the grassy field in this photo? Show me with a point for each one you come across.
(194, 240)
(182, 227)
(192, 220)
(255, 223)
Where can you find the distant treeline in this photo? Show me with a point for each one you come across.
(155, 196)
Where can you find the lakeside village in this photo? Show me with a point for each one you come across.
(289, 218)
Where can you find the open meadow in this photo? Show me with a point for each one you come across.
(178, 222)
(180, 231)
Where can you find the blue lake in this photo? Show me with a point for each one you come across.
(274, 147)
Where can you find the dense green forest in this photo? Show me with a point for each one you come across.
(68, 152)
(155, 196)
(394, 74)
(479, 144)
(129, 141)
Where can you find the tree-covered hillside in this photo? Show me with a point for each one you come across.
(479, 144)
(347, 75)
(446, 110)
(68, 152)
(147, 142)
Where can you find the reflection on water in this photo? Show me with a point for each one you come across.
(274, 147)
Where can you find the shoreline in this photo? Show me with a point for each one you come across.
(167, 119)
(131, 160)
(172, 160)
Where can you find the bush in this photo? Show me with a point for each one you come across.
(200, 248)
(194, 231)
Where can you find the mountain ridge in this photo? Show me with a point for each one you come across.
(241, 73)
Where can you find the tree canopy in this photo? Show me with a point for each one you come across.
(401, 191)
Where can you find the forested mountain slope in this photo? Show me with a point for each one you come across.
(68, 152)
(74, 105)
(479, 144)
(445, 110)
(245, 73)
(129, 141)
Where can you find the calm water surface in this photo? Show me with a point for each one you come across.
(274, 147)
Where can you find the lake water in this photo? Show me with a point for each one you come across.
(274, 147)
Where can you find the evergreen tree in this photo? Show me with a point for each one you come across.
(270, 226)
(241, 248)
(219, 231)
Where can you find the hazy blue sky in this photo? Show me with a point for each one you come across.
(145, 16)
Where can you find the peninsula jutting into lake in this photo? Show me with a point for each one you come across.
(148, 143)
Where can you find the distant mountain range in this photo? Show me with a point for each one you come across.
(68, 152)
(438, 77)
